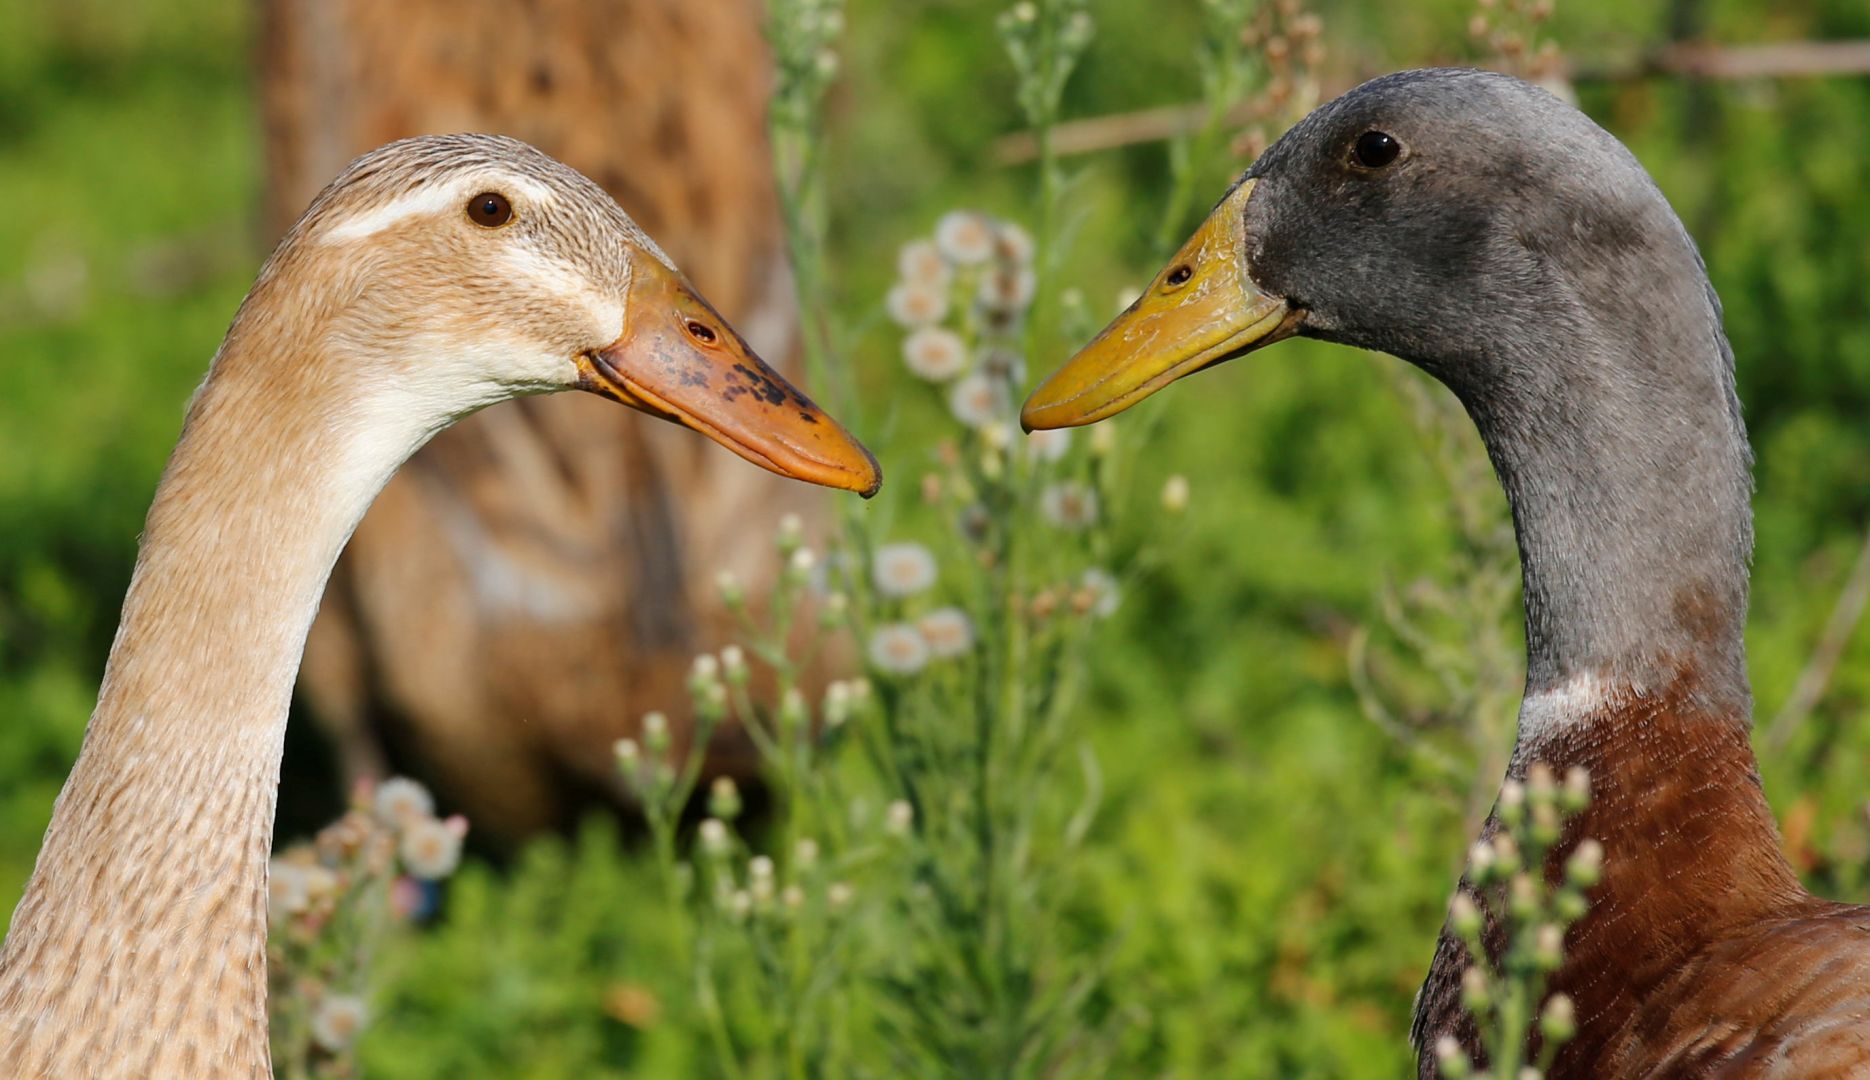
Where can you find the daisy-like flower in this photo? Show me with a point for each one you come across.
(432, 849)
(1103, 590)
(1069, 505)
(965, 237)
(948, 632)
(338, 1020)
(286, 889)
(935, 353)
(920, 262)
(912, 303)
(898, 818)
(400, 801)
(977, 400)
(902, 569)
(1013, 244)
(1007, 289)
(899, 649)
(1048, 446)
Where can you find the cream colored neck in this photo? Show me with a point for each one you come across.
(139, 947)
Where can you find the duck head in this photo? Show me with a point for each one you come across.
(449, 272)
(1458, 219)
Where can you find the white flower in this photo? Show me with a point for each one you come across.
(286, 889)
(1048, 445)
(920, 262)
(400, 800)
(1175, 494)
(839, 894)
(965, 237)
(713, 835)
(912, 303)
(805, 853)
(1069, 505)
(338, 1020)
(935, 353)
(1103, 590)
(947, 631)
(1015, 244)
(977, 400)
(898, 648)
(431, 849)
(1007, 289)
(902, 569)
(898, 818)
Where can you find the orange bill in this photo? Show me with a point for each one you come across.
(1202, 309)
(679, 360)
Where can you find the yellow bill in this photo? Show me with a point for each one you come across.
(1202, 309)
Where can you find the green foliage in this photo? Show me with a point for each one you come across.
(1266, 872)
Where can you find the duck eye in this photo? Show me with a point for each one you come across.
(1376, 149)
(1179, 275)
(490, 210)
(701, 332)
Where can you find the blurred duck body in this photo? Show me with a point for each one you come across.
(539, 577)
(433, 277)
(1497, 238)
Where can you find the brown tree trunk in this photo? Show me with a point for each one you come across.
(538, 577)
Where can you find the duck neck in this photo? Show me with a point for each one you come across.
(1629, 479)
(1627, 468)
(141, 936)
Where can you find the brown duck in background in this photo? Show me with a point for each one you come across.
(432, 278)
(1494, 236)
(539, 576)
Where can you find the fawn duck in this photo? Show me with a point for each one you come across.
(433, 277)
(1480, 228)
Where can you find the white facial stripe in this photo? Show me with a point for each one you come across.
(1551, 711)
(557, 277)
(432, 199)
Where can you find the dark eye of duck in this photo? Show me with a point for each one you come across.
(490, 210)
(701, 332)
(1376, 149)
(1179, 275)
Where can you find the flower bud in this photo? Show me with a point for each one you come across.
(655, 732)
(733, 594)
(805, 853)
(1475, 993)
(839, 895)
(713, 837)
(791, 534)
(734, 665)
(1559, 1019)
(1585, 868)
(835, 612)
(799, 566)
(1451, 1059)
(1175, 494)
(1512, 803)
(1577, 793)
(724, 798)
(1464, 916)
(792, 711)
(628, 755)
(1548, 947)
(898, 819)
(837, 705)
(1522, 896)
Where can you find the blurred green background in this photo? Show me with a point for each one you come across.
(1270, 868)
